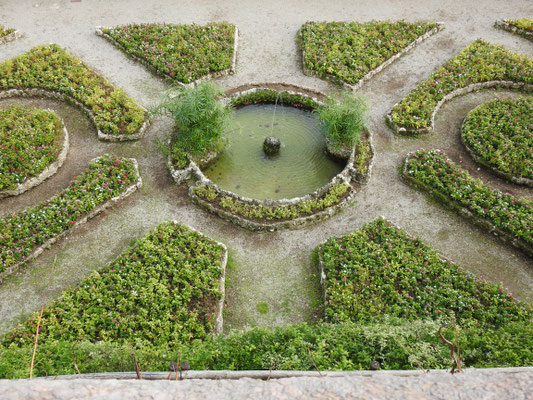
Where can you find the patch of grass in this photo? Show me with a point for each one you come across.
(524, 23)
(5, 31)
(262, 307)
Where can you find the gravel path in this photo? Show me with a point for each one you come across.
(264, 267)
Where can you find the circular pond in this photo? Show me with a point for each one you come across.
(300, 167)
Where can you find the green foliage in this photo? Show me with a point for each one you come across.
(509, 213)
(30, 140)
(363, 153)
(381, 270)
(347, 51)
(500, 132)
(52, 68)
(5, 31)
(268, 213)
(344, 117)
(273, 96)
(21, 233)
(347, 346)
(479, 62)
(524, 23)
(262, 307)
(182, 52)
(162, 291)
(199, 117)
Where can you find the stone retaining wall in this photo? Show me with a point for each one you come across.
(513, 29)
(36, 92)
(506, 175)
(370, 74)
(10, 37)
(37, 251)
(483, 223)
(47, 173)
(167, 77)
(408, 131)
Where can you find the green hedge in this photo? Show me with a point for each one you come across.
(347, 346)
(162, 291)
(381, 270)
(273, 96)
(30, 140)
(511, 214)
(52, 68)
(477, 63)
(500, 133)
(21, 233)
(347, 51)
(5, 31)
(184, 53)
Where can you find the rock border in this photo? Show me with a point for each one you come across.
(52, 94)
(10, 37)
(45, 174)
(520, 180)
(38, 250)
(483, 223)
(502, 24)
(403, 131)
(370, 74)
(152, 69)
(348, 175)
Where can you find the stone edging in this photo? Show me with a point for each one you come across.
(51, 94)
(477, 158)
(401, 130)
(37, 251)
(348, 175)
(10, 37)
(151, 68)
(513, 29)
(370, 74)
(483, 223)
(47, 173)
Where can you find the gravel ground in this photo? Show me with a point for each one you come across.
(264, 267)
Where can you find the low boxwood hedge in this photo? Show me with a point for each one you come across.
(478, 63)
(164, 290)
(500, 134)
(21, 233)
(30, 140)
(183, 53)
(347, 51)
(54, 69)
(381, 270)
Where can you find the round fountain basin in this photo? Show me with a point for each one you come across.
(300, 168)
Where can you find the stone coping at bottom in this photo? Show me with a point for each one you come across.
(47, 173)
(408, 131)
(521, 180)
(348, 175)
(94, 212)
(37, 92)
(10, 37)
(513, 29)
(483, 223)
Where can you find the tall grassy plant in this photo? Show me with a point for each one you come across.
(199, 117)
(344, 117)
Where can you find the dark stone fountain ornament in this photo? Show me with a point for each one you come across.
(271, 145)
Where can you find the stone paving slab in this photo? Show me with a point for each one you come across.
(475, 384)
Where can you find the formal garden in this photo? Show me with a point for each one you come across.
(265, 226)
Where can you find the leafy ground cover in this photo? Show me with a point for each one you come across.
(479, 62)
(524, 23)
(348, 346)
(30, 140)
(163, 290)
(184, 53)
(435, 170)
(274, 96)
(5, 31)
(106, 177)
(500, 133)
(347, 51)
(258, 212)
(380, 270)
(52, 68)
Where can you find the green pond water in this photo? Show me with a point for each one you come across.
(301, 166)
